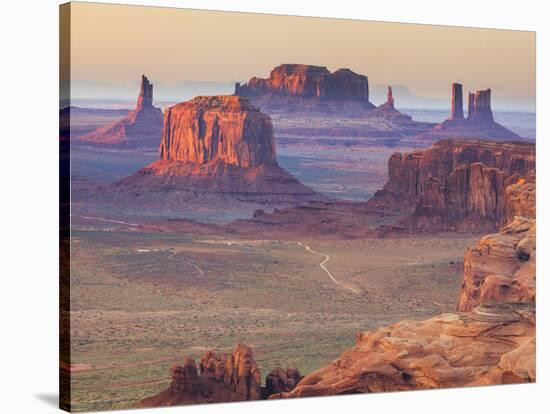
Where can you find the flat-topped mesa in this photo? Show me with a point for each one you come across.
(209, 129)
(457, 110)
(145, 98)
(308, 81)
(479, 106)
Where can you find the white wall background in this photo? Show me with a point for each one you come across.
(28, 202)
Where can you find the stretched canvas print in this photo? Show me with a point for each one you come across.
(262, 207)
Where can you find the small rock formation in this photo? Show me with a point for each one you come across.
(242, 375)
(479, 124)
(492, 344)
(455, 184)
(457, 111)
(220, 378)
(184, 377)
(141, 127)
(219, 145)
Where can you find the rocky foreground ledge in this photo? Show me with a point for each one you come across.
(492, 344)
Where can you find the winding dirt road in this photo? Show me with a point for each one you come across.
(201, 273)
(326, 270)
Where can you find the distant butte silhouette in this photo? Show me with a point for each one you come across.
(141, 127)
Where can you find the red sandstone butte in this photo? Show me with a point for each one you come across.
(219, 145)
(141, 127)
(309, 90)
(210, 129)
(308, 81)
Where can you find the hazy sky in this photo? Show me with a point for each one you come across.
(117, 43)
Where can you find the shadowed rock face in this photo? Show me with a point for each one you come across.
(281, 380)
(457, 109)
(208, 129)
(141, 127)
(455, 184)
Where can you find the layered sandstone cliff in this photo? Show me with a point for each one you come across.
(455, 184)
(219, 145)
(141, 127)
(479, 124)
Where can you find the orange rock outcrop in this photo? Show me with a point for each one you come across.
(493, 344)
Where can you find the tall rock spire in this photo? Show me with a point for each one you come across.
(457, 111)
(145, 98)
(479, 105)
(389, 99)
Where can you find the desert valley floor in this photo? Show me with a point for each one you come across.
(142, 300)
